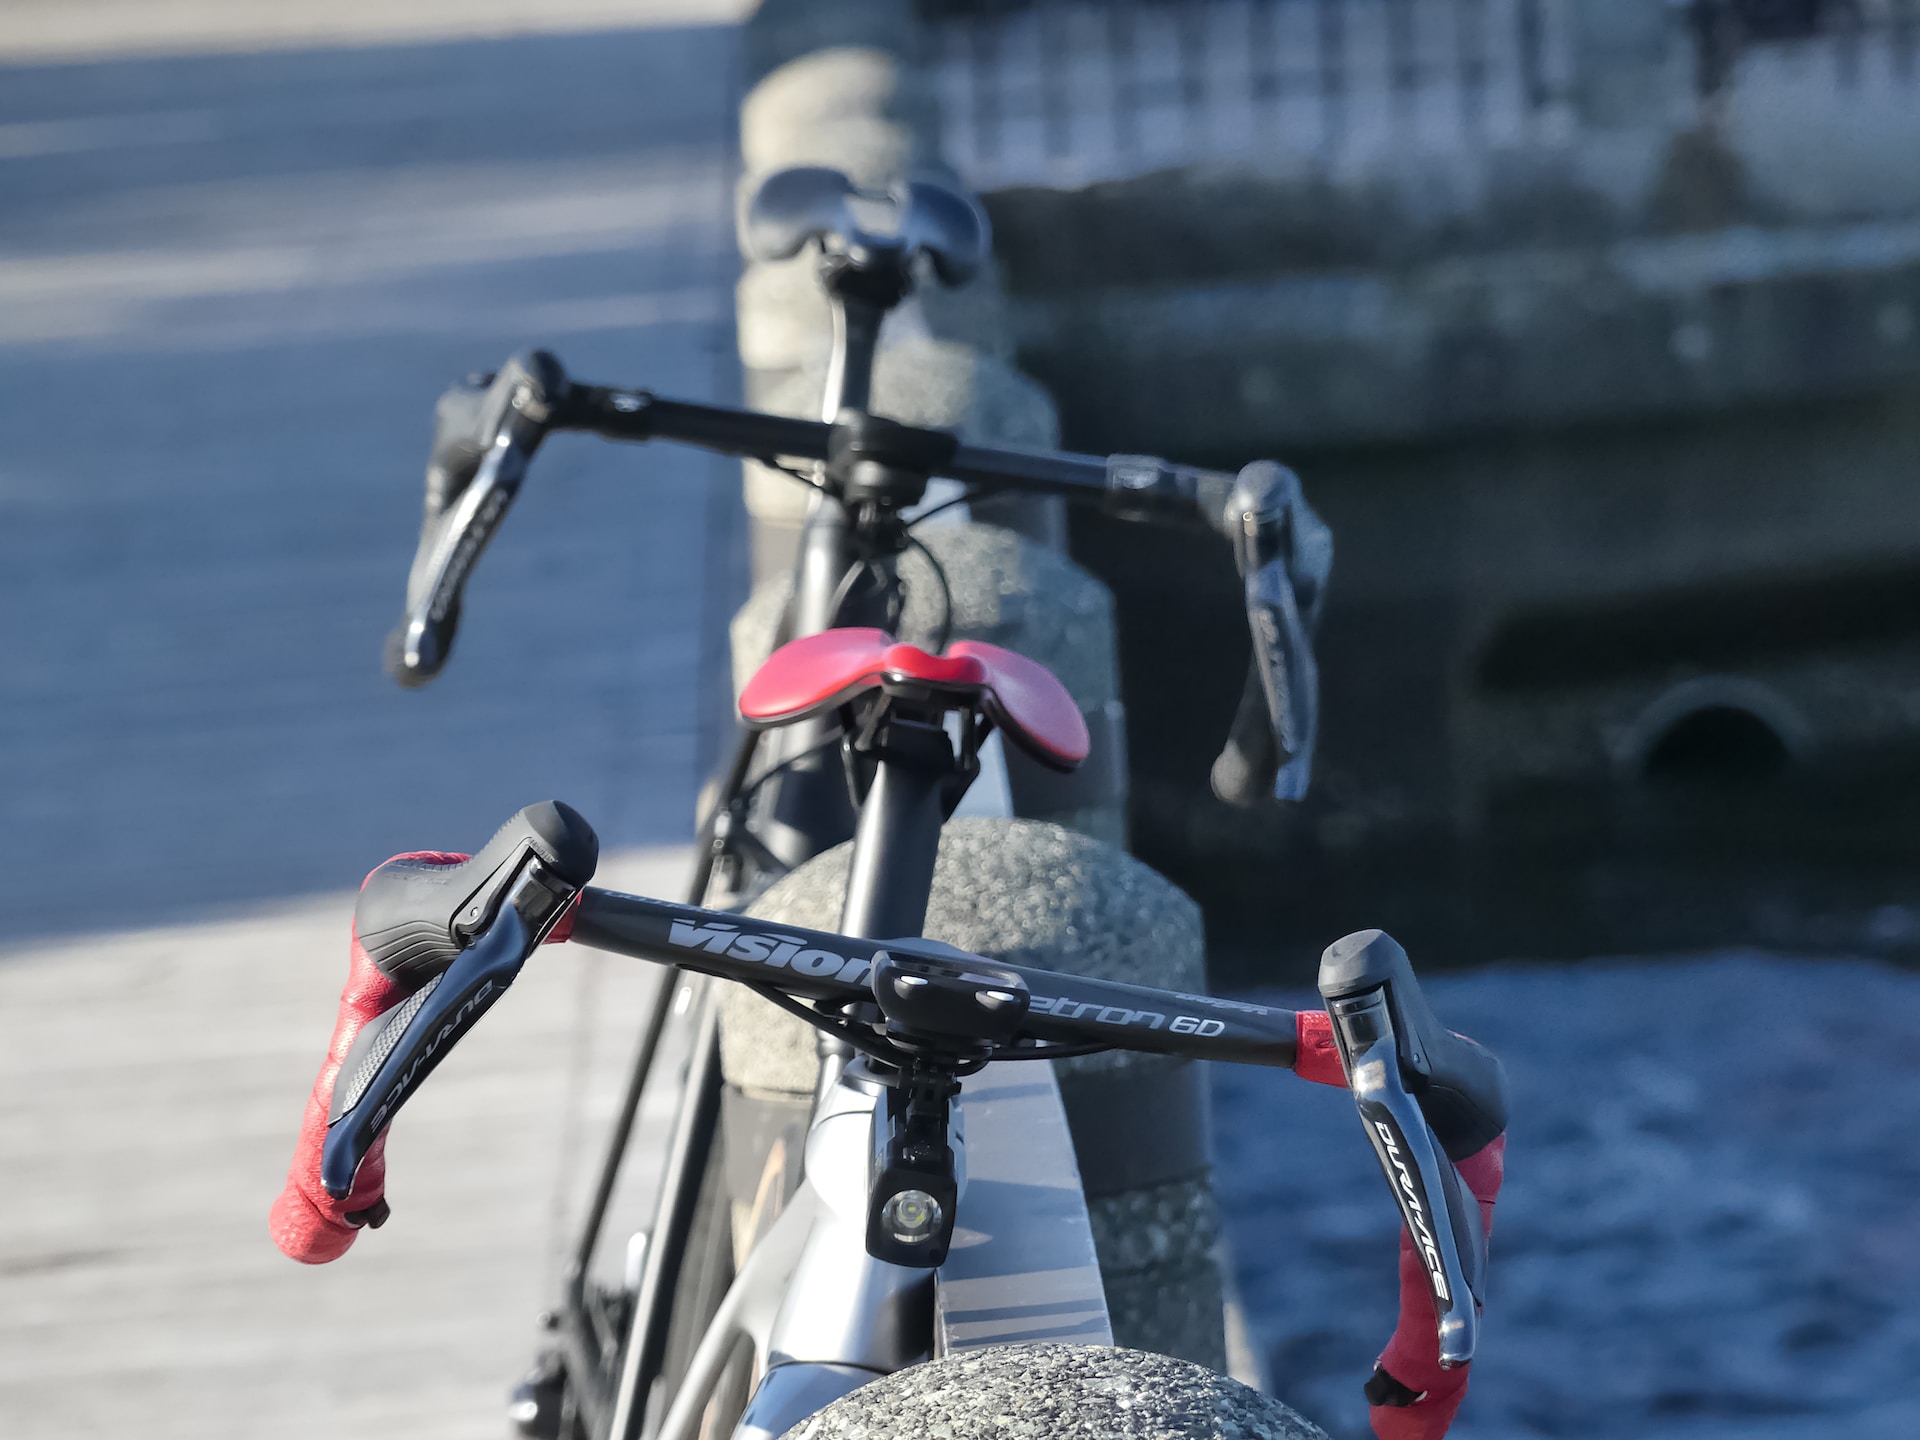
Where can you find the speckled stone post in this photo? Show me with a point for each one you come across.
(1056, 1392)
(1041, 895)
(837, 82)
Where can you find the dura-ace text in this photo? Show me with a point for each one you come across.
(455, 1024)
(1418, 1223)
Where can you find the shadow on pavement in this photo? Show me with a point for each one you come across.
(233, 286)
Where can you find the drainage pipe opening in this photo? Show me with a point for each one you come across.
(1720, 745)
(1723, 731)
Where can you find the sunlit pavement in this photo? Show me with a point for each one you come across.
(231, 285)
(151, 1085)
(230, 288)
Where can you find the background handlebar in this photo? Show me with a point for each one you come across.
(1283, 550)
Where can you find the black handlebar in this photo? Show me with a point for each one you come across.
(837, 970)
(456, 935)
(484, 439)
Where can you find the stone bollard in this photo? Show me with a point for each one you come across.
(1059, 1391)
(836, 84)
(1037, 894)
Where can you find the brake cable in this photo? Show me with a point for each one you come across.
(945, 630)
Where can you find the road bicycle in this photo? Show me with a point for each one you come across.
(929, 1213)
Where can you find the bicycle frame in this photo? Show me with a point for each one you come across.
(869, 1318)
(820, 1314)
(811, 1313)
(772, 814)
(821, 1317)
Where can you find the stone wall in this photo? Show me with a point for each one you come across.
(1614, 404)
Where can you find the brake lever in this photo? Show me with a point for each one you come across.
(515, 415)
(1440, 1215)
(392, 1057)
(1285, 555)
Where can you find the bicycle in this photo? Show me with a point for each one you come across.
(849, 1270)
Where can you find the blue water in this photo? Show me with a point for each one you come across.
(1708, 1228)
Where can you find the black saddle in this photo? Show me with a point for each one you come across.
(867, 228)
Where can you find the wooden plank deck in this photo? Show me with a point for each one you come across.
(151, 1085)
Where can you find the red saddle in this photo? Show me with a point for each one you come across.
(1020, 696)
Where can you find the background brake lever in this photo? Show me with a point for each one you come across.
(1285, 555)
(507, 422)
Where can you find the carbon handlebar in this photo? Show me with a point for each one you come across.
(1425, 1096)
(1283, 551)
(833, 970)
(451, 934)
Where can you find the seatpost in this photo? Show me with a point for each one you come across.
(890, 876)
(861, 291)
(810, 810)
(861, 296)
(891, 873)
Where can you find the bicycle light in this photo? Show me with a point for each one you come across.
(912, 1191)
(911, 1197)
(911, 1217)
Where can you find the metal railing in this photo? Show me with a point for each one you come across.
(1848, 44)
(1067, 92)
(1072, 91)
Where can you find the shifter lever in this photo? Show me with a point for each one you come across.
(417, 1035)
(1440, 1216)
(455, 936)
(1426, 1097)
(512, 419)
